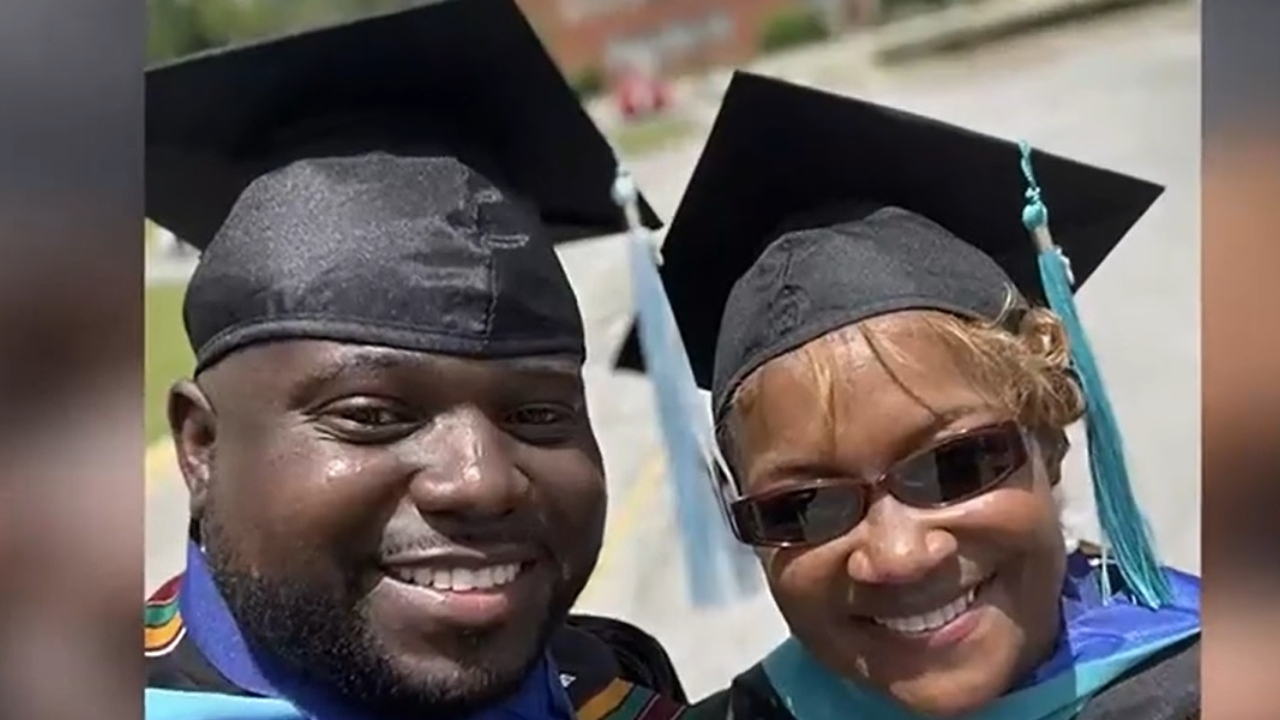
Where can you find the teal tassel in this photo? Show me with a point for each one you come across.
(1126, 536)
(718, 569)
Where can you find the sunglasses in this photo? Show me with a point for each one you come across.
(958, 469)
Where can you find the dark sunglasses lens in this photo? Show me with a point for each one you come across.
(961, 468)
(799, 516)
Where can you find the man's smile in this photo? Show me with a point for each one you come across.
(463, 591)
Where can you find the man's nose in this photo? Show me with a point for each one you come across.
(894, 545)
(468, 471)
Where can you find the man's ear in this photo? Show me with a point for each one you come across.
(1053, 449)
(193, 426)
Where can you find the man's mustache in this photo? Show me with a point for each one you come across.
(422, 538)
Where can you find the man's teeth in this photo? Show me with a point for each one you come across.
(458, 579)
(929, 621)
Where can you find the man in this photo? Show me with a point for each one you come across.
(396, 494)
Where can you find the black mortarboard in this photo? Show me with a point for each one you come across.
(469, 77)
(398, 180)
(810, 211)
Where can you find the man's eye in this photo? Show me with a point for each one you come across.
(367, 420)
(540, 415)
(370, 416)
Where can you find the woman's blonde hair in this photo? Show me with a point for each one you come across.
(1021, 364)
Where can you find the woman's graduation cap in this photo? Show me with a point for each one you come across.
(398, 180)
(466, 76)
(809, 211)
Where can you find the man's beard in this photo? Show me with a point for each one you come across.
(325, 642)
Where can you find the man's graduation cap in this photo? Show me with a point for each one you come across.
(463, 77)
(397, 181)
(809, 211)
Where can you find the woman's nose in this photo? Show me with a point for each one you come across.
(894, 545)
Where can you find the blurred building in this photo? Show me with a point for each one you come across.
(666, 36)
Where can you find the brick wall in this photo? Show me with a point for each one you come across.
(668, 36)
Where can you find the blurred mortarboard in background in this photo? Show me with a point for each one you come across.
(468, 78)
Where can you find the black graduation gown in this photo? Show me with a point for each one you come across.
(1165, 687)
(612, 670)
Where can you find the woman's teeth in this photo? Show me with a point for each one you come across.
(927, 622)
(457, 579)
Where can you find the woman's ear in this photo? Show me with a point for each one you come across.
(1053, 449)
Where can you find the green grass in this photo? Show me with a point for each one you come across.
(650, 134)
(167, 355)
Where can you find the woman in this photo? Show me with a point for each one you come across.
(891, 398)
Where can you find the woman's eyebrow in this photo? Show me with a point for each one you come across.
(947, 418)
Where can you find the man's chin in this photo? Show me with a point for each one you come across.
(466, 668)
(457, 687)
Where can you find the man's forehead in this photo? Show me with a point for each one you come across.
(364, 355)
(320, 356)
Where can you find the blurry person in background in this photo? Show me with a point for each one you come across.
(1241, 352)
(396, 494)
(70, 361)
(887, 330)
(70, 500)
(1241, 420)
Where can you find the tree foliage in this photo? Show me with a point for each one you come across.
(181, 27)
